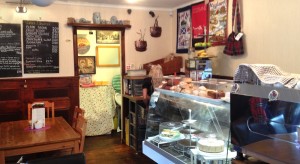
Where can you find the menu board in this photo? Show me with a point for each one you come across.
(10, 50)
(41, 47)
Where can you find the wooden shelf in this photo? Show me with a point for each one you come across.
(91, 25)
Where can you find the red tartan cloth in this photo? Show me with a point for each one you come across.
(257, 110)
(234, 47)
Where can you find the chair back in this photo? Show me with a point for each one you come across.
(49, 106)
(116, 83)
(80, 128)
(77, 111)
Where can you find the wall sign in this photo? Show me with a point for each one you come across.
(183, 29)
(41, 47)
(10, 50)
(218, 22)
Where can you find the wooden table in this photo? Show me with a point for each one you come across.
(275, 151)
(16, 138)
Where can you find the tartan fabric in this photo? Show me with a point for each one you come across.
(234, 47)
(257, 110)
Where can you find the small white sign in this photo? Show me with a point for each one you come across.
(38, 114)
(238, 36)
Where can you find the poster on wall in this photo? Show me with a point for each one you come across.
(83, 44)
(41, 46)
(10, 50)
(199, 23)
(218, 22)
(183, 29)
(86, 65)
(107, 37)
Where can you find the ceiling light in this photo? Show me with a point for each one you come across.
(42, 3)
(132, 1)
(21, 9)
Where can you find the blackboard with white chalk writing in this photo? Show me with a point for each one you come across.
(41, 43)
(10, 50)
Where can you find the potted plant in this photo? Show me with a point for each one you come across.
(141, 44)
(155, 31)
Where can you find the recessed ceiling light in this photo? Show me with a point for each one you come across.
(132, 1)
(21, 9)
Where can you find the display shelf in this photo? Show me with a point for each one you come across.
(266, 126)
(91, 25)
(132, 108)
(198, 68)
(211, 117)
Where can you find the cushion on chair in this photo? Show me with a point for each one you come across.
(116, 83)
(78, 158)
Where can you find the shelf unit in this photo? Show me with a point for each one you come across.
(198, 68)
(132, 108)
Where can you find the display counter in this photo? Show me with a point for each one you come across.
(99, 105)
(177, 122)
(265, 122)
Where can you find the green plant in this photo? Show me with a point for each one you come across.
(142, 35)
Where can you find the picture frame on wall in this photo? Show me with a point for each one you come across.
(217, 22)
(184, 31)
(108, 56)
(107, 37)
(86, 65)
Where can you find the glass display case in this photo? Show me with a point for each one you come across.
(179, 124)
(265, 122)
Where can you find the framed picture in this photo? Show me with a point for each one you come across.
(86, 65)
(107, 37)
(183, 29)
(217, 26)
(108, 56)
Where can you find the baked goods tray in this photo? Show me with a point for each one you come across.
(157, 140)
(226, 153)
(193, 97)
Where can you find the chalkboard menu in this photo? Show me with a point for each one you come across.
(41, 43)
(10, 50)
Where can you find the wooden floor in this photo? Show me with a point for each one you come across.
(108, 149)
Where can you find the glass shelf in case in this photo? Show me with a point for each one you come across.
(211, 116)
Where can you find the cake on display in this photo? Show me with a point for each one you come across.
(211, 145)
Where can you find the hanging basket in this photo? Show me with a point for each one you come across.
(140, 45)
(155, 31)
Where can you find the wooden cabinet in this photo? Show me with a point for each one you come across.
(16, 93)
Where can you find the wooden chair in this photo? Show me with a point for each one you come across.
(48, 106)
(77, 111)
(80, 128)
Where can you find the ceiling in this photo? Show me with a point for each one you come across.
(166, 4)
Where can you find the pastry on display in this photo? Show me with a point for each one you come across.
(170, 131)
(210, 145)
(215, 94)
(171, 134)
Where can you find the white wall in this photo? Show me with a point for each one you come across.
(139, 19)
(271, 30)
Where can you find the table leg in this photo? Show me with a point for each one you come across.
(76, 147)
(2, 157)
